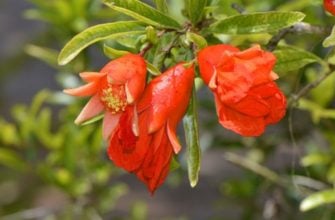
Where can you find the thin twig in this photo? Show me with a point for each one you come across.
(298, 28)
(256, 168)
(150, 45)
(305, 90)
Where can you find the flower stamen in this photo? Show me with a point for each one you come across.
(114, 98)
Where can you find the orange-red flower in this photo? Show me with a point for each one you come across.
(161, 107)
(329, 5)
(246, 97)
(119, 84)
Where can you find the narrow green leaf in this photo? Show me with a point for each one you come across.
(97, 33)
(198, 40)
(292, 58)
(143, 12)
(194, 10)
(152, 69)
(113, 53)
(10, 159)
(318, 199)
(45, 54)
(317, 111)
(260, 22)
(316, 159)
(161, 5)
(190, 122)
(254, 167)
(330, 40)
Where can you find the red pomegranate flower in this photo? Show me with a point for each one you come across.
(161, 107)
(246, 97)
(119, 84)
(329, 5)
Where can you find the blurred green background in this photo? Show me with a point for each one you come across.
(52, 169)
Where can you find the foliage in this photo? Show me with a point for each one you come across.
(43, 144)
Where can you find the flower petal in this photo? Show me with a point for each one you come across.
(125, 149)
(167, 95)
(233, 86)
(85, 90)
(156, 164)
(91, 76)
(211, 57)
(91, 109)
(134, 125)
(253, 106)
(277, 104)
(238, 122)
(171, 131)
(109, 124)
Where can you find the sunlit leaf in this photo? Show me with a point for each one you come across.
(317, 199)
(152, 69)
(190, 122)
(143, 12)
(330, 40)
(198, 40)
(315, 159)
(316, 110)
(260, 22)
(94, 34)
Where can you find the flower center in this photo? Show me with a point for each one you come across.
(114, 98)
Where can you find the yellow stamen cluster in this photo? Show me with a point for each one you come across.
(114, 99)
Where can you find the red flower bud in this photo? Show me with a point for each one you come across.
(159, 110)
(329, 5)
(246, 97)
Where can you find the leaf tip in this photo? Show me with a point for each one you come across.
(194, 182)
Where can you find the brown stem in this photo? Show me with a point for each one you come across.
(298, 28)
(305, 90)
(150, 45)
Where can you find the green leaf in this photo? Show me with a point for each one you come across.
(194, 10)
(152, 69)
(143, 12)
(198, 40)
(113, 53)
(317, 111)
(94, 34)
(260, 22)
(292, 58)
(322, 94)
(318, 199)
(161, 5)
(47, 55)
(190, 122)
(330, 40)
(10, 159)
(316, 159)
